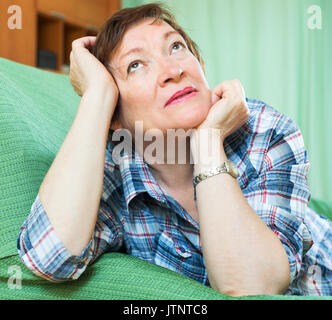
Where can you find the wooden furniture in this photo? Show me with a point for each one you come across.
(49, 25)
(19, 45)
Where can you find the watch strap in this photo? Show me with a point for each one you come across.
(225, 167)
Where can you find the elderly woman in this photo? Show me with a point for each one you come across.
(236, 220)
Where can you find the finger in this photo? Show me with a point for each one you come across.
(224, 90)
(84, 42)
(237, 83)
(214, 98)
(221, 88)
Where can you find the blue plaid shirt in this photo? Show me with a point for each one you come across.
(137, 215)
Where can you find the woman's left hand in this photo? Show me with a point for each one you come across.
(229, 109)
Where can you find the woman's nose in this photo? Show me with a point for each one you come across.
(169, 71)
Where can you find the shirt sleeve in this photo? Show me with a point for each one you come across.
(42, 251)
(280, 192)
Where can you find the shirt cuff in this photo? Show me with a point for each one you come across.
(43, 252)
(290, 230)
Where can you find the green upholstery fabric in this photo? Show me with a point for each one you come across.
(37, 109)
(322, 207)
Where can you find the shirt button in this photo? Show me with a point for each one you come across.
(183, 252)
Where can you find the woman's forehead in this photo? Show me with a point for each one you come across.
(141, 32)
(146, 25)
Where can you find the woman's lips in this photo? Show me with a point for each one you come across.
(183, 97)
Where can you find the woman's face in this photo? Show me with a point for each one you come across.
(158, 65)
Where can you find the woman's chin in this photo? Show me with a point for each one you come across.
(193, 118)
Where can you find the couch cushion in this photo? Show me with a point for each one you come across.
(322, 207)
(114, 276)
(37, 109)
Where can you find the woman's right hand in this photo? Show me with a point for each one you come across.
(86, 71)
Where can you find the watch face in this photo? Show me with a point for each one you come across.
(234, 171)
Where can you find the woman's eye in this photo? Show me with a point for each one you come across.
(178, 45)
(133, 66)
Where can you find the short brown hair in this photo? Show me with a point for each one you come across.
(114, 28)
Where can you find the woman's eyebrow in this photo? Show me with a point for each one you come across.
(140, 49)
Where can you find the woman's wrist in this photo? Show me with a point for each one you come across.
(104, 96)
(207, 148)
(104, 89)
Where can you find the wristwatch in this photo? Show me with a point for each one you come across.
(226, 167)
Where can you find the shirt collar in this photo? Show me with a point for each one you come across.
(236, 139)
(136, 176)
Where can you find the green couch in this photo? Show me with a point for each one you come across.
(37, 109)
